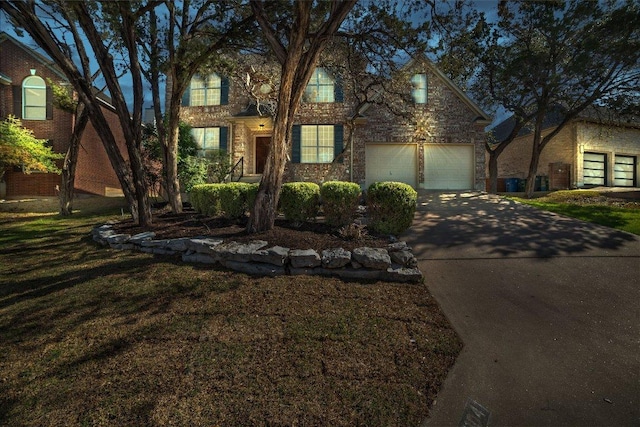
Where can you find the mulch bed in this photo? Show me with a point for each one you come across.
(310, 235)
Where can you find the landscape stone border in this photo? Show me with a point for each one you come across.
(395, 263)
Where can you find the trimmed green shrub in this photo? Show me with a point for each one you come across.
(205, 199)
(299, 201)
(339, 201)
(234, 198)
(391, 206)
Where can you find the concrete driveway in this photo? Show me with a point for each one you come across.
(548, 309)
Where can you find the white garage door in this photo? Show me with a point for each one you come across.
(448, 167)
(391, 162)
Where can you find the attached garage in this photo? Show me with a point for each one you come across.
(391, 162)
(449, 166)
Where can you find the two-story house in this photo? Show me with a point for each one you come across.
(25, 93)
(439, 145)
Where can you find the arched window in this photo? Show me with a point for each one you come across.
(320, 87)
(34, 98)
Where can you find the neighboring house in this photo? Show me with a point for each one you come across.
(25, 93)
(594, 149)
(440, 145)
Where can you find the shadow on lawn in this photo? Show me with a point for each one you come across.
(488, 226)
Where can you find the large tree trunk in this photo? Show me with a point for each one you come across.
(493, 172)
(536, 149)
(265, 208)
(170, 154)
(68, 175)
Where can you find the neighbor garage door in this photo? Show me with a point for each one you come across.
(625, 171)
(595, 169)
(391, 162)
(448, 167)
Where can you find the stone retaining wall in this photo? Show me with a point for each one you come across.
(395, 263)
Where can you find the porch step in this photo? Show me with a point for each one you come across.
(251, 178)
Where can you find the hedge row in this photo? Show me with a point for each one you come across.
(391, 205)
(231, 200)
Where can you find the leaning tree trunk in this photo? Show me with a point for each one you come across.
(69, 165)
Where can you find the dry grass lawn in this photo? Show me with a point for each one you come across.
(94, 337)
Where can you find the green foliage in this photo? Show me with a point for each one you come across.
(205, 198)
(299, 201)
(391, 206)
(231, 199)
(192, 171)
(62, 97)
(235, 197)
(18, 147)
(339, 201)
(218, 165)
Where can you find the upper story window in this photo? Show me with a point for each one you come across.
(209, 139)
(34, 98)
(210, 90)
(419, 88)
(322, 88)
(316, 143)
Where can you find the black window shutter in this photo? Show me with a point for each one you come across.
(224, 132)
(224, 91)
(338, 142)
(49, 112)
(338, 91)
(17, 101)
(186, 97)
(295, 149)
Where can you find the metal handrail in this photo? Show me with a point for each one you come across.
(240, 163)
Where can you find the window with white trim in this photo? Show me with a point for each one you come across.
(206, 91)
(419, 88)
(34, 98)
(321, 87)
(316, 143)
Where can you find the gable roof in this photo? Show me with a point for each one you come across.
(481, 116)
(44, 60)
(553, 118)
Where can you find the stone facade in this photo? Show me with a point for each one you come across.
(568, 148)
(448, 117)
(94, 174)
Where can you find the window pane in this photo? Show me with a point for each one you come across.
(419, 90)
(316, 144)
(35, 113)
(320, 87)
(34, 98)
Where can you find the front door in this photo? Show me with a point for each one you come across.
(262, 149)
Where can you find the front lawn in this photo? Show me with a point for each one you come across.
(93, 336)
(593, 207)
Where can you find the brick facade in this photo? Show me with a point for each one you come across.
(94, 174)
(568, 148)
(449, 117)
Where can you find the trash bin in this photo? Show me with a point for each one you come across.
(511, 185)
(521, 184)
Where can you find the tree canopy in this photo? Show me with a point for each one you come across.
(19, 147)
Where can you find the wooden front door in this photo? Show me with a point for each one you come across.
(262, 149)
